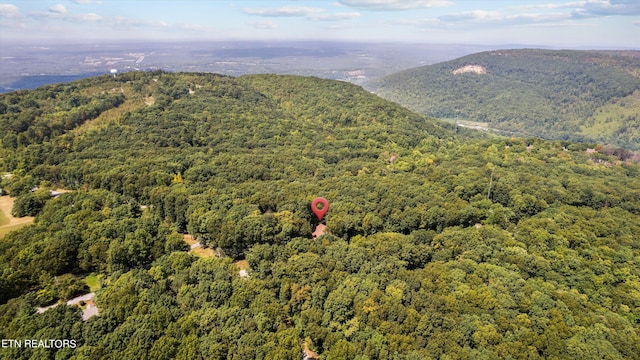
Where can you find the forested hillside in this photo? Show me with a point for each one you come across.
(438, 244)
(573, 95)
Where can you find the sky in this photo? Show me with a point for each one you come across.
(565, 24)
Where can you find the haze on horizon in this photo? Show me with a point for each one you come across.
(552, 23)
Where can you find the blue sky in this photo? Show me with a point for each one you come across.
(569, 24)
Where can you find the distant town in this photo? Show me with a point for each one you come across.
(26, 66)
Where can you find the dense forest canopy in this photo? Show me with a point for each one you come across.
(591, 96)
(439, 244)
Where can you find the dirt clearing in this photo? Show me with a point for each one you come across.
(196, 247)
(7, 221)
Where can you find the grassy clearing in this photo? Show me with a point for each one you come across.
(198, 251)
(189, 239)
(9, 223)
(4, 230)
(92, 282)
(6, 204)
(133, 102)
(467, 123)
(4, 219)
(203, 252)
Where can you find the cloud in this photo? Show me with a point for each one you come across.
(195, 27)
(265, 24)
(84, 2)
(86, 18)
(421, 23)
(9, 11)
(600, 8)
(498, 18)
(475, 16)
(395, 4)
(338, 16)
(568, 5)
(590, 8)
(58, 9)
(120, 23)
(285, 11)
(561, 14)
(40, 15)
(123, 23)
(310, 13)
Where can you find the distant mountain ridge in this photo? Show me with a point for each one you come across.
(557, 94)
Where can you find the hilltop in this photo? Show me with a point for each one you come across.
(590, 96)
(437, 243)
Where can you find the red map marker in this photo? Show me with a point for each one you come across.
(320, 212)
